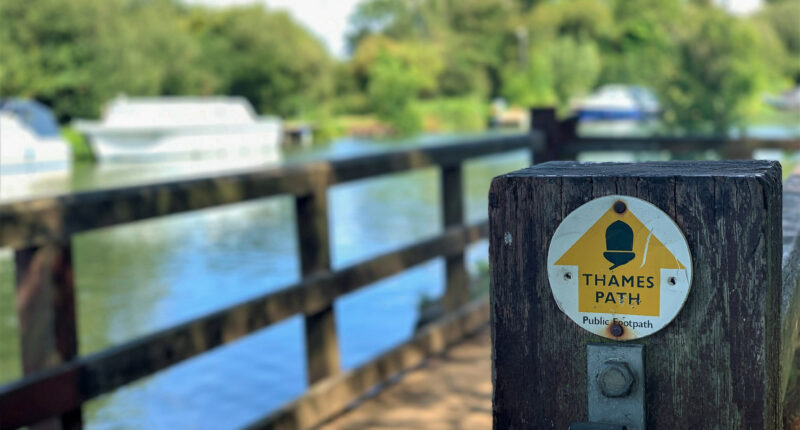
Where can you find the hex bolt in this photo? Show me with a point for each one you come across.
(616, 379)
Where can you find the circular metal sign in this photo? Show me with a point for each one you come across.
(619, 267)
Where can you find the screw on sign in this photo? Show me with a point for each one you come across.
(619, 267)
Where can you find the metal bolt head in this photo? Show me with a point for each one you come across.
(616, 379)
(620, 206)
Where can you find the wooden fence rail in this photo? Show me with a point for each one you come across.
(57, 381)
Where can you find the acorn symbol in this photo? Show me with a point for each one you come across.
(619, 244)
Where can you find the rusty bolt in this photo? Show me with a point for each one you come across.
(616, 379)
(620, 207)
(616, 329)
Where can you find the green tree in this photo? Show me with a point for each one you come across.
(558, 71)
(76, 55)
(783, 17)
(265, 57)
(474, 38)
(166, 48)
(71, 55)
(640, 48)
(393, 88)
(719, 72)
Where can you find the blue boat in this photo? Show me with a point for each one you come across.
(618, 102)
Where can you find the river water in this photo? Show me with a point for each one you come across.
(137, 278)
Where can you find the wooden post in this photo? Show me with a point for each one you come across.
(716, 365)
(556, 134)
(46, 312)
(740, 150)
(322, 351)
(457, 279)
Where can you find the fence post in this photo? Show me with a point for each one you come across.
(716, 365)
(457, 279)
(322, 351)
(556, 133)
(46, 312)
(737, 150)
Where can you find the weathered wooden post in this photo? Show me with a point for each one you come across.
(456, 277)
(46, 313)
(556, 133)
(322, 351)
(582, 324)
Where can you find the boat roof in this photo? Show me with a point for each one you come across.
(178, 111)
(35, 116)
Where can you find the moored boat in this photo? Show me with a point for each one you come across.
(618, 102)
(30, 140)
(165, 127)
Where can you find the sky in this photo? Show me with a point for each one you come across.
(327, 19)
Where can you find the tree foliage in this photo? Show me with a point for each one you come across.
(718, 71)
(782, 18)
(393, 86)
(76, 55)
(708, 67)
(265, 57)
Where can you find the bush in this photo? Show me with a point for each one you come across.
(81, 150)
(392, 91)
(455, 114)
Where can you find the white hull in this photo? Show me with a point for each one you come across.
(260, 139)
(23, 152)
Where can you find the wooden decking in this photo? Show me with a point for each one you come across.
(449, 392)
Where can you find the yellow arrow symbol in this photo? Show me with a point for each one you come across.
(619, 263)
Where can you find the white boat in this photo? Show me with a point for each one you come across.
(618, 102)
(30, 140)
(165, 127)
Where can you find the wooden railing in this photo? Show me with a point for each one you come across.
(58, 381)
(562, 142)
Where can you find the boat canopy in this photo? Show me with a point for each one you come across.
(35, 116)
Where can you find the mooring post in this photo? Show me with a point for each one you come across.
(46, 313)
(555, 133)
(715, 365)
(322, 350)
(457, 279)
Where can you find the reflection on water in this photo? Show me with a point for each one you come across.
(145, 276)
